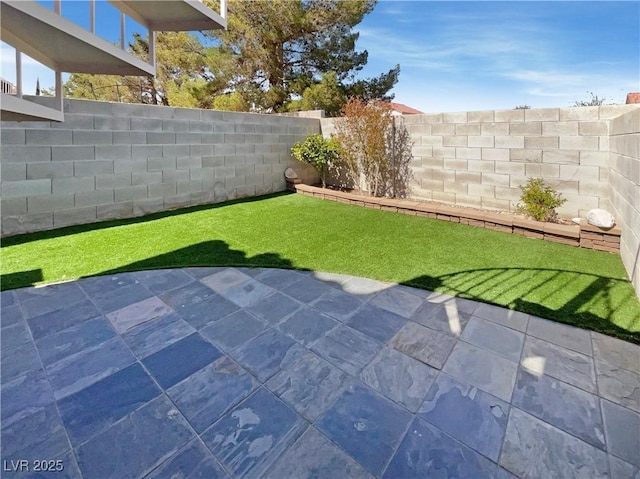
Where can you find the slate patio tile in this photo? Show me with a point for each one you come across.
(366, 425)
(264, 354)
(211, 309)
(313, 456)
(421, 293)
(335, 280)
(38, 301)
(38, 436)
(137, 313)
(306, 289)
(111, 301)
(9, 315)
(399, 377)
(379, 324)
(97, 407)
(493, 337)
(423, 344)
(427, 452)
(233, 330)
(18, 362)
(483, 369)
(308, 383)
(76, 372)
(398, 301)
(461, 305)
(561, 334)
(221, 281)
(166, 280)
(194, 461)
(184, 296)
(72, 340)
(152, 336)
(618, 385)
(274, 308)
(616, 352)
(622, 429)
(473, 417)
(103, 286)
(62, 318)
(347, 348)
(24, 396)
(207, 394)
(564, 406)
(15, 336)
(278, 278)
(622, 470)
(507, 317)
(200, 272)
(307, 325)
(137, 444)
(363, 288)
(252, 435)
(542, 357)
(533, 448)
(7, 298)
(337, 304)
(181, 359)
(444, 318)
(247, 293)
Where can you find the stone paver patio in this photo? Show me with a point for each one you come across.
(265, 373)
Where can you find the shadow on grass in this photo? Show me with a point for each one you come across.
(71, 230)
(21, 279)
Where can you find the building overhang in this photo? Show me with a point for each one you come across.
(62, 45)
(174, 16)
(19, 109)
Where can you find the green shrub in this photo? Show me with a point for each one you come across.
(318, 151)
(539, 200)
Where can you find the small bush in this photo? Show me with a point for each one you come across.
(318, 152)
(539, 200)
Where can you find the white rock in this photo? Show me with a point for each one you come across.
(600, 218)
(290, 174)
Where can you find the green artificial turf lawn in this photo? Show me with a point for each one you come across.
(585, 288)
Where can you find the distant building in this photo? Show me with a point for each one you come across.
(633, 98)
(400, 109)
(7, 87)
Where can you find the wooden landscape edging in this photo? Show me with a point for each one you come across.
(583, 235)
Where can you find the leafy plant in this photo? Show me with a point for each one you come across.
(523, 107)
(318, 151)
(539, 200)
(595, 101)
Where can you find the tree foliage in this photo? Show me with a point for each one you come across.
(594, 101)
(317, 151)
(539, 200)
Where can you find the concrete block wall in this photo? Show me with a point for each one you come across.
(113, 160)
(624, 192)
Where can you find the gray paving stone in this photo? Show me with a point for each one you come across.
(18, 362)
(207, 394)
(167, 280)
(263, 355)
(335, 280)
(136, 445)
(427, 452)
(184, 296)
(109, 301)
(337, 304)
(105, 285)
(15, 336)
(366, 425)
(618, 385)
(495, 338)
(622, 470)
(423, 344)
(363, 288)
(138, 313)
(313, 456)
(616, 352)
(246, 293)
(38, 301)
(622, 428)
(24, 396)
(444, 317)
(542, 357)
(308, 383)
(63, 318)
(249, 438)
(76, 372)
(307, 325)
(512, 319)
(400, 378)
(380, 324)
(10, 315)
(225, 279)
(152, 336)
(278, 278)
(564, 406)
(471, 416)
(204, 271)
(233, 330)
(483, 369)
(192, 462)
(533, 448)
(274, 308)
(206, 311)
(398, 301)
(306, 289)
(347, 348)
(561, 334)
(7, 298)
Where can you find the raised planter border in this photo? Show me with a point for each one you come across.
(582, 236)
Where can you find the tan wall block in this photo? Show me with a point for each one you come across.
(444, 152)
(481, 166)
(495, 179)
(469, 153)
(609, 112)
(468, 176)
(509, 115)
(443, 129)
(628, 145)
(480, 141)
(594, 128)
(541, 142)
(543, 114)
(442, 196)
(550, 128)
(455, 164)
(506, 193)
(516, 181)
(480, 116)
(594, 188)
(419, 193)
(454, 140)
(443, 175)
(604, 175)
(431, 141)
(481, 190)
(495, 154)
(455, 187)
(579, 142)
(579, 113)
(433, 162)
(494, 129)
(422, 151)
(561, 156)
(565, 186)
(432, 185)
(510, 141)
(531, 156)
(507, 167)
(467, 200)
(419, 130)
(603, 143)
(533, 170)
(527, 128)
(550, 170)
(594, 158)
(496, 203)
(468, 129)
(626, 123)
(579, 172)
(458, 117)
(429, 117)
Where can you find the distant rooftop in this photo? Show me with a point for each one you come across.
(633, 98)
(404, 109)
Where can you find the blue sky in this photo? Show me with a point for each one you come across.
(457, 56)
